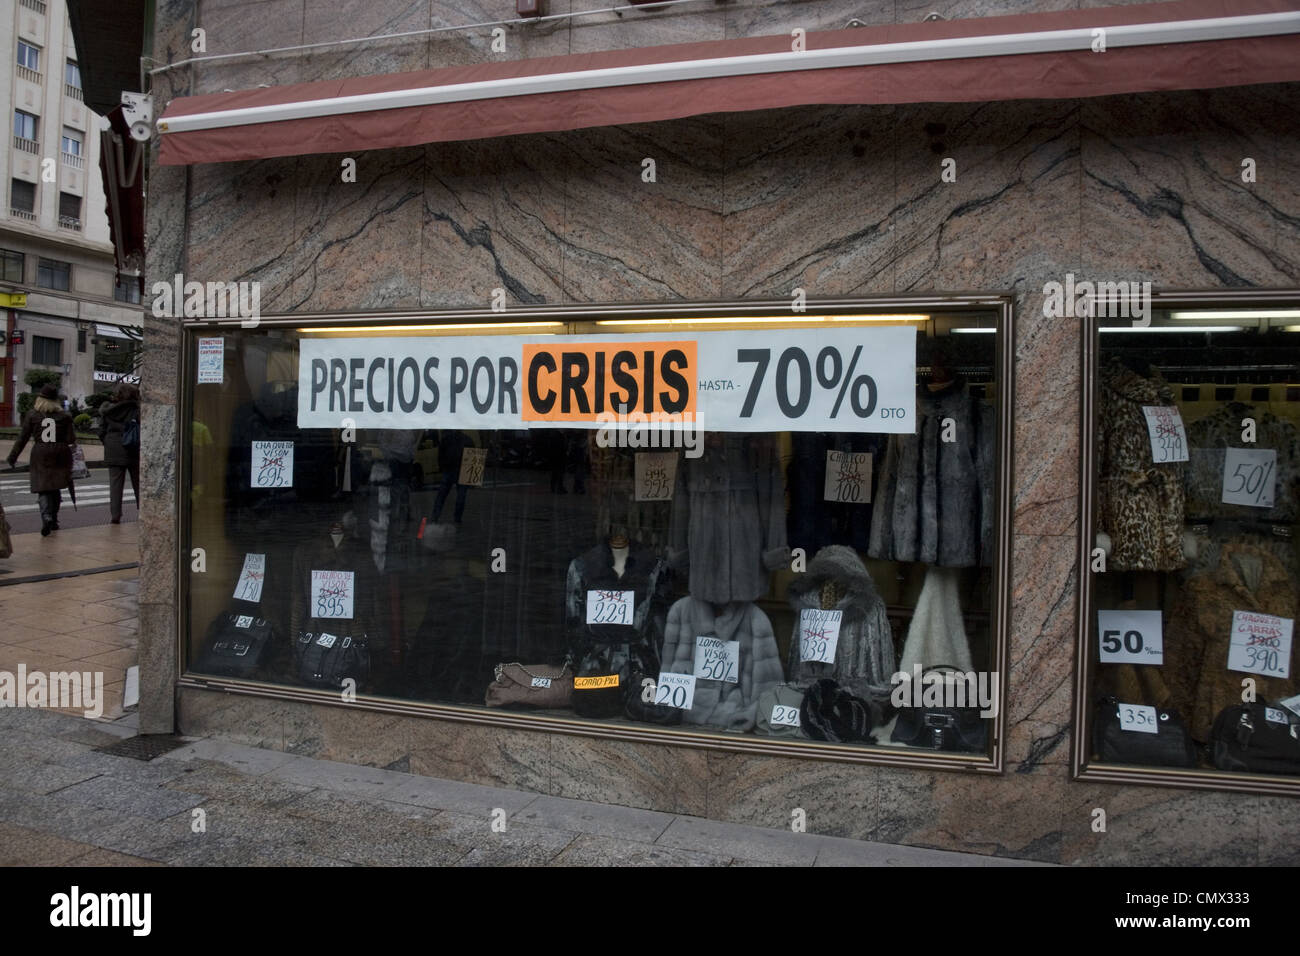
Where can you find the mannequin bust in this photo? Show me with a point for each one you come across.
(336, 534)
(620, 547)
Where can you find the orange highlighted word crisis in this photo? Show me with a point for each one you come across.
(576, 382)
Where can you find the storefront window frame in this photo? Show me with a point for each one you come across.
(1086, 654)
(1001, 305)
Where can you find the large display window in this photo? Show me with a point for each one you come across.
(1192, 490)
(719, 526)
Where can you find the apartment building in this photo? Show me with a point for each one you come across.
(55, 246)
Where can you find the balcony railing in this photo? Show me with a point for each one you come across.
(73, 161)
(26, 145)
(72, 91)
(22, 214)
(29, 74)
(70, 222)
(36, 5)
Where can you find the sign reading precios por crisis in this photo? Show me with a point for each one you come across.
(858, 379)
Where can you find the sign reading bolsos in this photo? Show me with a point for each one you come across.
(858, 379)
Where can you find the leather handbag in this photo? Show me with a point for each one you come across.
(326, 659)
(1256, 737)
(533, 685)
(601, 680)
(640, 686)
(959, 729)
(236, 645)
(1169, 746)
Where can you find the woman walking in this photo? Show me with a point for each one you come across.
(119, 430)
(51, 470)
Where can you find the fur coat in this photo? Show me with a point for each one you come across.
(837, 579)
(726, 704)
(645, 575)
(1208, 438)
(51, 461)
(937, 634)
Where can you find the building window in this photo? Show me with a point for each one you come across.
(22, 199)
(81, 340)
(25, 126)
(128, 291)
(11, 265)
(72, 79)
(29, 56)
(71, 142)
(53, 274)
(69, 211)
(46, 351)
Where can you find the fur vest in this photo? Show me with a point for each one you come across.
(937, 634)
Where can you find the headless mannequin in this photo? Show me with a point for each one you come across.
(620, 548)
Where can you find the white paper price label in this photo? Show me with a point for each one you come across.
(611, 607)
(212, 353)
(1260, 644)
(327, 640)
(244, 621)
(332, 593)
(783, 716)
(675, 690)
(1167, 432)
(1275, 715)
(1249, 476)
(656, 475)
(473, 463)
(716, 659)
(1130, 637)
(1292, 704)
(251, 578)
(272, 464)
(848, 477)
(1139, 719)
(819, 633)
(543, 682)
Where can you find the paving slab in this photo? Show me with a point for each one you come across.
(249, 760)
(736, 840)
(591, 850)
(143, 800)
(25, 846)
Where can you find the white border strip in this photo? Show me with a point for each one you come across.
(953, 48)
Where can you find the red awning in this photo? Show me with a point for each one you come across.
(1187, 44)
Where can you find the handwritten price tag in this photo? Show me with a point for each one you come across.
(543, 682)
(1130, 637)
(1139, 719)
(1292, 704)
(1275, 715)
(610, 607)
(473, 463)
(332, 593)
(272, 464)
(717, 659)
(1167, 432)
(1260, 644)
(656, 475)
(819, 633)
(244, 621)
(848, 477)
(251, 578)
(1249, 476)
(675, 690)
(783, 716)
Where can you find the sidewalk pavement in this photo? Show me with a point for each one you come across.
(64, 803)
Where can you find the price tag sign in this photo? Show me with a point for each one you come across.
(1167, 432)
(1138, 719)
(473, 462)
(599, 682)
(819, 633)
(212, 354)
(1260, 644)
(1130, 637)
(543, 682)
(1292, 704)
(656, 475)
(717, 659)
(272, 464)
(332, 593)
(783, 716)
(1249, 476)
(675, 690)
(848, 477)
(610, 607)
(244, 621)
(1275, 715)
(251, 578)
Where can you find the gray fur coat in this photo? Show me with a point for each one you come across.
(726, 704)
(864, 655)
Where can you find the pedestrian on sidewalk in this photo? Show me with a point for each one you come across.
(119, 430)
(51, 469)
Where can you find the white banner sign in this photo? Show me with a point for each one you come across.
(850, 379)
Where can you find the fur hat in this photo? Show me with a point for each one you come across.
(829, 712)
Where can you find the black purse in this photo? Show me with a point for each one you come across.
(1243, 738)
(960, 729)
(636, 707)
(236, 645)
(1169, 746)
(327, 660)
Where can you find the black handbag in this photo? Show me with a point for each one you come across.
(960, 729)
(236, 645)
(325, 659)
(829, 712)
(1244, 738)
(601, 680)
(1169, 746)
(641, 685)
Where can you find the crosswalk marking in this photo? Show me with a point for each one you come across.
(89, 492)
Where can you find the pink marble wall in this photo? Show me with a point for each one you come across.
(837, 200)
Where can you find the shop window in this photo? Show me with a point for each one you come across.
(1193, 488)
(53, 274)
(819, 558)
(11, 265)
(46, 351)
